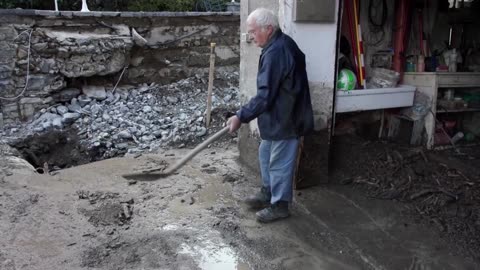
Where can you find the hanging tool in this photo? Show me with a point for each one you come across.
(158, 173)
(361, 59)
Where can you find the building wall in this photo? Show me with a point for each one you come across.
(318, 42)
(70, 49)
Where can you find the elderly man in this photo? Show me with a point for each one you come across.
(284, 111)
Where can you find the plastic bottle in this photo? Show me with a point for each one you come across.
(457, 137)
(421, 63)
(452, 65)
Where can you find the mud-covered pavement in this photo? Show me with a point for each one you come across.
(88, 217)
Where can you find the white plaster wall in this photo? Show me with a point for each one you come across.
(318, 42)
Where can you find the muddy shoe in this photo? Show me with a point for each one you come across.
(260, 200)
(274, 212)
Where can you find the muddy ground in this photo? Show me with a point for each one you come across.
(89, 217)
(439, 189)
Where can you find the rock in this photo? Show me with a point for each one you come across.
(136, 61)
(124, 134)
(122, 146)
(83, 100)
(157, 133)
(165, 133)
(227, 98)
(66, 94)
(147, 138)
(202, 131)
(172, 100)
(177, 139)
(110, 96)
(47, 65)
(63, 52)
(40, 46)
(146, 109)
(48, 100)
(45, 120)
(95, 92)
(142, 118)
(75, 108)
(21, 54)
(57, 122)
(69, 118)
(62, 110)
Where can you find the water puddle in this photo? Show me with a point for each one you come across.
(211, 257)
(170, 227)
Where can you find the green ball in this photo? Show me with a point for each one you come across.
(346, 80)
(470, 137)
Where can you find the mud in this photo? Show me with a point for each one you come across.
(439, 189)
(89, 217)
(137, 253)
(109, 213)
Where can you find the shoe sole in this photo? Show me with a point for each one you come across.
(257, 205)
(260, 219)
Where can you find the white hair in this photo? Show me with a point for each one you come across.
(263, 17)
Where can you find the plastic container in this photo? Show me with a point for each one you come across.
(410, 66)
(384, 78)
(374, 99)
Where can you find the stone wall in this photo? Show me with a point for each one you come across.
(66, 51)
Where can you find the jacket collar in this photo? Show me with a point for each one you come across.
(273, 38)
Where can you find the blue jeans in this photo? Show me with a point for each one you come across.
(277, 166)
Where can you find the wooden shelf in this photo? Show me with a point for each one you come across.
(458, 110)
(428, 84)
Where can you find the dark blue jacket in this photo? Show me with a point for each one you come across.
(282, 104)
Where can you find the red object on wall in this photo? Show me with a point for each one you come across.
(401, 33)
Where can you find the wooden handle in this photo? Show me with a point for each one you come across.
(197, 149)
(211, 72)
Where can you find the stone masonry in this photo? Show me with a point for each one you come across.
(67, 50)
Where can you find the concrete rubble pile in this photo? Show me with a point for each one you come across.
(135, 119)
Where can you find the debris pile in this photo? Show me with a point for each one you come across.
(130, 119)
(440, 187)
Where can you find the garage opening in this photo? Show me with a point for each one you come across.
(407, 112)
